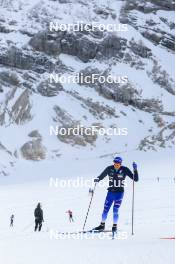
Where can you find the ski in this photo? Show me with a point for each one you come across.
(167, 238)
(84, 232)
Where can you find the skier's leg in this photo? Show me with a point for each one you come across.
(117, 204)
(40, 226)
(36, 225)
(107, 206)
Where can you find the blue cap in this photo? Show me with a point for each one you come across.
(117, 160)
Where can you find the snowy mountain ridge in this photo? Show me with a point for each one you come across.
(30, 104)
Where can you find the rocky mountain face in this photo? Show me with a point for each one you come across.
(30, 103)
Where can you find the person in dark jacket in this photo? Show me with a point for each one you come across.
(70, 214)
(38, 213)
(117, 174)
(12, 220)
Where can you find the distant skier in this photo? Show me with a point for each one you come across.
(70, 214)
(38, 213)
(117, 174)
(91, 191)
(158, 179)
(12, 220)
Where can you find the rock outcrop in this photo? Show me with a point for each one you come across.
(33, 150)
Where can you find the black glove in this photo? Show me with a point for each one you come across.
(96, 180)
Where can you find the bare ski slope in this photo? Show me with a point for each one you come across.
(154, 218)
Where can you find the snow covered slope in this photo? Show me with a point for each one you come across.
(154, 218)
(29, 53)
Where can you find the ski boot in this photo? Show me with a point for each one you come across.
(99, 228)
(114, 228)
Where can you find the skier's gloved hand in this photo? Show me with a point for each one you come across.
(96, 180)
(134, 166)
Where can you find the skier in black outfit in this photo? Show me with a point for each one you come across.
(38, 213)
(70, 213)
(12, 220)
(117, 174)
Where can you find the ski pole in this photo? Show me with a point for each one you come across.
(89, 206)
(133, 185)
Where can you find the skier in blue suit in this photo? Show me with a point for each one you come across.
(117, 174)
